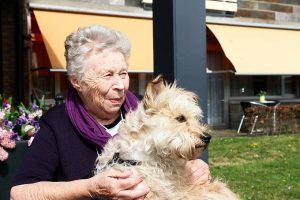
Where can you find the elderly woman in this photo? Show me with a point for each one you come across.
(59, 164)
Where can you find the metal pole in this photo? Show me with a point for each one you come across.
(179, 32)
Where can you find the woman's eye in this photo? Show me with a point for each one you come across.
(108, 75)
(123, 74)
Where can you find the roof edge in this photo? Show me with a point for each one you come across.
(235, 22)
(42, 6)
(149, 15)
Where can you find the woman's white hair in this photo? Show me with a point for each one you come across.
(95, 38)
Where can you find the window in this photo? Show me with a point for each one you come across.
(251, 85)
(290, 85)
(241, 86)
(138, 82)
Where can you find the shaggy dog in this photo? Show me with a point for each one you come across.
(158, 138)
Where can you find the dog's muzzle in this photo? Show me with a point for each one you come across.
(205, 138)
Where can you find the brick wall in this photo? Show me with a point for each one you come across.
(271, 10)
(8, 50)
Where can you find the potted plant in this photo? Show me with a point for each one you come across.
(18, 123)
(262, 95)
(17, 128)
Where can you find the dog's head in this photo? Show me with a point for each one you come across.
(171, 126)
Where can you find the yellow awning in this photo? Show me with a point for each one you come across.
(55, 26)
(260, 51)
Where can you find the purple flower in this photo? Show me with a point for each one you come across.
(15, 136)
(21, 120)
(8, 124)
(6, 106)
(33, 121)
(35, 107)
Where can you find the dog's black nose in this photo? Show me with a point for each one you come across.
(205, 138)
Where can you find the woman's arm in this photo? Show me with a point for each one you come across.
(47, 155)
(51, 190)
(113, 183)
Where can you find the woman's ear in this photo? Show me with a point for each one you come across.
(75, 83)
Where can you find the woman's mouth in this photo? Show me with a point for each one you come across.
(116, 100)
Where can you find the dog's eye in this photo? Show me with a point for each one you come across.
(180, 118)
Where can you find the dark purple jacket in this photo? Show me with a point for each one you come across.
(58, 153)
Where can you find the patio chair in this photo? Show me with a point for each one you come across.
(275, 106)
(251, 117)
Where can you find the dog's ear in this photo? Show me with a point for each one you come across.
(152, 90)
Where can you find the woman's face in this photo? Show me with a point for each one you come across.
(103, 86)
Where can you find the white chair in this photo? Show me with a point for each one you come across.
(247, 116)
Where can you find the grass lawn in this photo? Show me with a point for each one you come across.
(258, 168)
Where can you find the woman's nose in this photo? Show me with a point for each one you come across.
(118, 82)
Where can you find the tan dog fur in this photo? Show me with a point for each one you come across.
(164, 133)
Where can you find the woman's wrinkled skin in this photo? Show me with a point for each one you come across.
(102, 89)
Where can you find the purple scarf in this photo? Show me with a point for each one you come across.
(85, 124)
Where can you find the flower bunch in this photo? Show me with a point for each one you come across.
(7, 134)
(20, 123)
(26, 123)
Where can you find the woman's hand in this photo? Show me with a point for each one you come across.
(118, 184)
(197, 172)
(114, 184)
